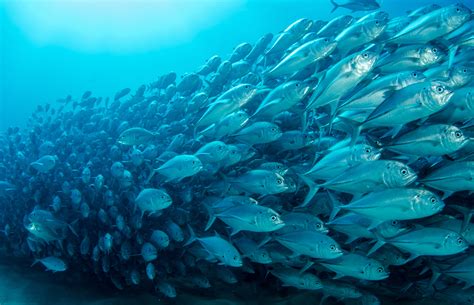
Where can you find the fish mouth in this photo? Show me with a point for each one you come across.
(385, 276)
(280, 224)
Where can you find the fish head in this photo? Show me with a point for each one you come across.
(427, 202)
(391, 228)
(33, 227)
(410, 78)
(440, 95)
(461, 75)
(261, 256)
(324, 46)
(430, 55)
(346, 21)
(366, 152)
(369, 299)
(363, 62)
(334, 250)
(453, 137)
(398, 174)
(376, 27)
(300, 26)
(310, 281)
(269, 220)
(275, 183)
(220, 150)
(117, 169)
(240, 118)
(193, 164)
(455, 243)
(272, 132)
(456, 15)
(233, 259)
(246, 91)
(374, 270)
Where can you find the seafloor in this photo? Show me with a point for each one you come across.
(22, 285)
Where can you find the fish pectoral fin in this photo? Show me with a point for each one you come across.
(338, 276)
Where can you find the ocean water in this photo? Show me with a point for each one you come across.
(50, 49)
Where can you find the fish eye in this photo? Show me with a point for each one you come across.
(380, 270)
(318, 226)
(377, 22)
(432, 199)
(464, 70)
(273, 218)
(439, 89)
(297, 85)
(235, 257)
(458, 134)
(367, 150)
(194, 162)
(404, 172)
(414, 74)
(458, 10)
(435, 50)
(247, 86)
(332, 247)
(394, 222)
(273, 129)
(365, 55)
(326, 40)
(279, 181)
(460, 241)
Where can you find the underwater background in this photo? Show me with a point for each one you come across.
(50, 179)
(49, 49)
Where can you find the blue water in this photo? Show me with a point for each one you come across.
(48, 51)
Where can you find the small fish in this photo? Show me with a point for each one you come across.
(52, 263)
(360, 5)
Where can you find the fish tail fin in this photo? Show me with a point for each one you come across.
(35, 262)
(467, 213)
(264, 241)
(192, 236)
(335, 6)
(152, 173)
(313, 189)
(355, 128)
(212, 217)
(336, 206)
(380, 242)
(70, 226)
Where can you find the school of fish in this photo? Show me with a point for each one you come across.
(335, 157)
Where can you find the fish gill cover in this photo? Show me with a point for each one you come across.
(334, 157)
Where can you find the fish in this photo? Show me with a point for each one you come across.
(52, 263)
(152, 200)
(295, 278)
(364, 5)
(426, 241)
(433, 25)
(357, 266)
(310, 243)
(218, 248)
(396, 204)
(248, 217)
(326, 161)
